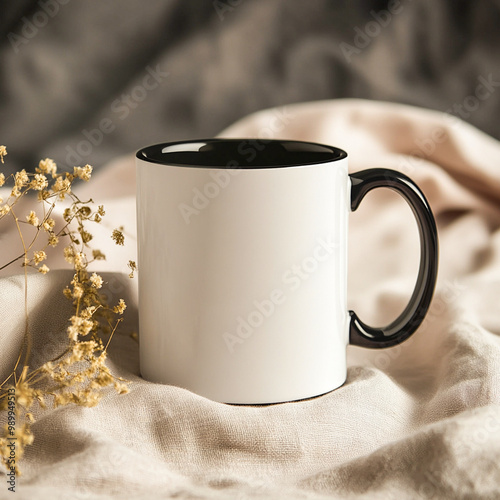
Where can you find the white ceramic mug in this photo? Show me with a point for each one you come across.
(242, 267)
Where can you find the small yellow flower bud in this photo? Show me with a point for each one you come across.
(83, 173)
(98, 255)
(32, 218)
(79, 261)
(39, 182)
(120, 307)
(39, 257)
(48, 224)
(69, 255)
(117, 236)
(61, 187)
(53, 240)
(47, 166)
(96, 280)
(133, 267)
(21, 179)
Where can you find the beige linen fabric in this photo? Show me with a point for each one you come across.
(420, 420)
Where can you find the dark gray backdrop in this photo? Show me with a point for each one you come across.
(84, 81)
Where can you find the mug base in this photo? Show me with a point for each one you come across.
(253, 401)
(261, 396)
(288, 400)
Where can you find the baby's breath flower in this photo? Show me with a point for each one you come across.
(53, 240)
(62, 399)
(79, 327)
(103, 379)
(120, 307)
(84, 349)
(39, 182)
(96, 280)
(48, 224)
(21, 179)
(88, 312)
(98, 255)
(121, 388)
(90, 398)
(86, 236)
(62, 186)
(47, 166)
(40, 256)
(117, 236)
(77, 291)
(83, 173)
(32, 218)
(85, 211)
(100, 214)
(69, 255)
(68, 214)
(43, 194)
(24, 394)
(47, 367)
(79, 261)
(133, 267)
(79, 373)
(43, 269)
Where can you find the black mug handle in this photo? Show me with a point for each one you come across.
(410, 319)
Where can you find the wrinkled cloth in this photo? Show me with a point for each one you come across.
(419, 420)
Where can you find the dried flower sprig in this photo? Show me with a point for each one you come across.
(78, 374)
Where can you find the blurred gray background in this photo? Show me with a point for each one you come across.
(83, 82)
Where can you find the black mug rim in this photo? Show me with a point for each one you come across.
(282, 153)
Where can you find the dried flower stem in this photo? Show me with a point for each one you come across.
(79, 373)
(27, 338)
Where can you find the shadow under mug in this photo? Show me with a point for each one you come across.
(243, 267)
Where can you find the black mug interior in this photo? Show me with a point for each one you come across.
(240, 153)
